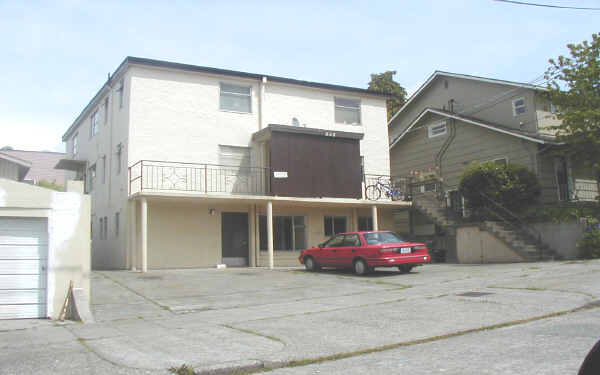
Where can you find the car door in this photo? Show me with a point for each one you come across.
(350, 249)
(332, 250)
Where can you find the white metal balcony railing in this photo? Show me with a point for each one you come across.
(152, 175)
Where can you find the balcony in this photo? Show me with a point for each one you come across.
(161, 176)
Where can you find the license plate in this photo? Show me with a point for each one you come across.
(405, 250)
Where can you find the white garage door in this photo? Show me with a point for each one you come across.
(23, 259)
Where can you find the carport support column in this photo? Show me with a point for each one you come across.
(374, 215)
(133, 250)
(144, 234)
(270, 232)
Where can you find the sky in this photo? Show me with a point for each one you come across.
(55, 55)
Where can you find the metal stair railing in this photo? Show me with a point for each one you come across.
(514, 222)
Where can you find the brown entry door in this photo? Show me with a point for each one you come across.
(234, 238)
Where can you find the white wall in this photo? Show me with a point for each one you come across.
(68, 215)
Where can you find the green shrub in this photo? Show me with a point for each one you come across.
(513, 186)
(183, 370)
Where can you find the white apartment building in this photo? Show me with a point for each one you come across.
(191, 166)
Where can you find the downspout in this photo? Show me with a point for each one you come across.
(261, 99)
(440, 155)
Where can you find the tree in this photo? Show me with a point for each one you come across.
(574, 88)
(511, 185)
(384, 82)
(50, 185)
(6, 148)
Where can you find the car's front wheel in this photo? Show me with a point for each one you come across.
(310, 264)
(361, 267)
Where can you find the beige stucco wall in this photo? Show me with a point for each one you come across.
(68, 215)
(477, 246)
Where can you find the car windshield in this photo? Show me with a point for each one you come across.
(377, 238)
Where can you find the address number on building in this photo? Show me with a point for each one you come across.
(280, 174)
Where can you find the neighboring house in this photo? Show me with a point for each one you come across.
(12, 167)
(190, 166)
(42, 166)
(44, 245)
(454, 120)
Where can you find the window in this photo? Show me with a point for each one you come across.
(91, 177)
(378, 238)
(347, 111)
(289, 233)
(121, 89)
(116, 224)
(501, 161)
(365, 223)
(234, 156)
(94, 124)
(337, 241)
(334, 225)
(75, 144)
(104, 169)
(352, 240)
(118, 158)
(439, 128)
(235, 98)
(519, 106)
(105, 236)
(101, 228)
(106, 110)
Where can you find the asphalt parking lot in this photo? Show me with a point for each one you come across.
(454, 319)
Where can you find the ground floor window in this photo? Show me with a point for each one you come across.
(365, 223)
(334, 225)
(289, 233)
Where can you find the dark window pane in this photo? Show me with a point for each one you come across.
(328, 225)
(262, 232)
(339, 224)
(365, 223)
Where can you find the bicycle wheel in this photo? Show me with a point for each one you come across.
(373, 192)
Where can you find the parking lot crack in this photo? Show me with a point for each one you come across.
(251, 332)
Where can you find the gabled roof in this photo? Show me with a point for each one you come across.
(130, 60)
(439, 73)
(477, 122)
(16, 160)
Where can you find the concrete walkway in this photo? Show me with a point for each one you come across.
(422, 322)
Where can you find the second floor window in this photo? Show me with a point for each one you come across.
(347, 111)
(118, 158)
(235, 98)
(91, 177)
(94, 124)
(519, 106)
(75, 145)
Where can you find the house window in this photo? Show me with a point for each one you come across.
(365, 223)
(334, 225)
(119, 153)
(101, 228)
(91, 177)
(519, 106)
(105, 228)
(121, 90)
(116, 224)
(106, 110)
(439, 128)
(94, 124)
(104, 169)
(75, 144)
(289, 233)
(429, 187)
(501, 161)
(235, 98)
(347, 111)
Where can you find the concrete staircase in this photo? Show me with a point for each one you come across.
(520, 242)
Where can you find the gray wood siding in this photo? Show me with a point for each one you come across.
(471, 97)
(471, 144)
(9, 170)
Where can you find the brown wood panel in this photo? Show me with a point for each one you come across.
(317, 166)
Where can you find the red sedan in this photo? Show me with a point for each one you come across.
(365, 250)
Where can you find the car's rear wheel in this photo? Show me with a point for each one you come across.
(373, 192)
(310, 264)
(405, 268)
(361, 267)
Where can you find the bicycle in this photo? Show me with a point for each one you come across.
(373, 192)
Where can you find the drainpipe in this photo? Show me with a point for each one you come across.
(261, 100)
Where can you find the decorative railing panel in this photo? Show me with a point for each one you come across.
(148, 175)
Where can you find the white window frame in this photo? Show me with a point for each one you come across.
(119, 158)
(91, 177)
(358, 109)
(514, 107)
(249, 95)
(430, 129)
(75, 145)
(94, 124)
